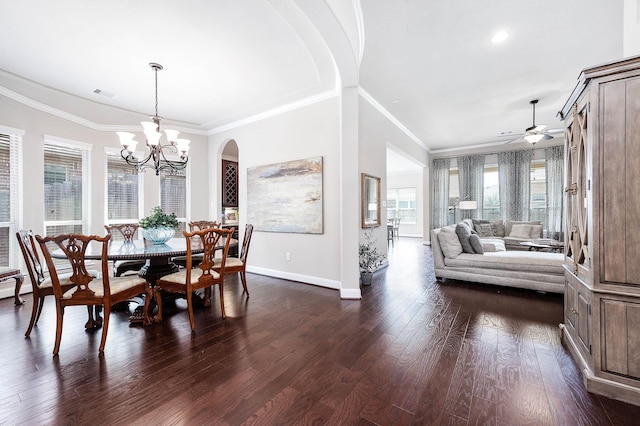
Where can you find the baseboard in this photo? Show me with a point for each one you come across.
(308, 279)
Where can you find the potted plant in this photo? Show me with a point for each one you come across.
(370, 257)
(159, 227)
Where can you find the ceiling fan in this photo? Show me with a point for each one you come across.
(535, 133)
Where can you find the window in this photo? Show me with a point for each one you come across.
(10, 154)
(401, 202)
(538, 192)
(173, 195)
(491, 201)
(123, 192)
(66, 186)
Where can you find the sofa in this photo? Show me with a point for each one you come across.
(487, 261)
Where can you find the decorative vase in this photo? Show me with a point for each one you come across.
(158, 235)
(366, 277)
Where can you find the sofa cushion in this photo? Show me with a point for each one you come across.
(476, 244)
(493, 245)
(464, 232)
(509, 224)
(449, 242)
(536, 231)
(520, 230)
(523, 261)
(498, 227)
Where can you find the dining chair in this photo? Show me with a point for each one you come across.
(189, 279)
(238, 264)
(128, 232)
(42, 286)
(195, 225)
(88, 290)
(396, 227)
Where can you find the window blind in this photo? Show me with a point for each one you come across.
(64, 188)
(9, 171)
(173, 194)
(122, 191)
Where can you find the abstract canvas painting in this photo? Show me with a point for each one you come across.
(286, 197)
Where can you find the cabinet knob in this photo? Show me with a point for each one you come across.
(574, 311)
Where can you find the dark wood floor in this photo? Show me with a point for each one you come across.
(412, 351)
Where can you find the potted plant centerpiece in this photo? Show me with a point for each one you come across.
(159, 227)
(370, 257)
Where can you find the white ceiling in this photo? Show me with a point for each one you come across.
(430, 64)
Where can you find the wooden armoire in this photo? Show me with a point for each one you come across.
(602, 255)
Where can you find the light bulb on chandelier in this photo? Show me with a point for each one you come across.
(155, 157)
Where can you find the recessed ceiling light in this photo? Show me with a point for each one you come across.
(395, 101)
(499, 37)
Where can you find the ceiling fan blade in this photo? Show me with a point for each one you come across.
(514, 140)
(547, 136)
(555, 131)
(540, 128)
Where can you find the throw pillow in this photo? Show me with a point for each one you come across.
(476, 244)
(464, 232)
(498, 228)
(485, 230)
(449, 242)
(520, 230)
(536, 231)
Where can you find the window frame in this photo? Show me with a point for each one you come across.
(113, 154)
(182, 220)
(397, 209)
(85, 153)
(16, 192)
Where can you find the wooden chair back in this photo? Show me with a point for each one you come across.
(127, 230)
(27, 245)
(246, 241)
(209, 240)
(74, 247)
(197, 225)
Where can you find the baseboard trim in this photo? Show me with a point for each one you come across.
(308, 279)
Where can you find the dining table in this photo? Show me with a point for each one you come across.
(158, 260)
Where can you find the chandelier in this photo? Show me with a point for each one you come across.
(155, 157)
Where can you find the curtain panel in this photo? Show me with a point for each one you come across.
(471, 183)
(440, 210)
(514, 170)
(554, 170)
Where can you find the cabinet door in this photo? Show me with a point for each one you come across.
(620, 176)
(621, 337)
(578, 299)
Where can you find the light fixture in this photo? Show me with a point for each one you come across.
(463, 205)
(468, 205)
(155, 158)
(499, 37)
(534, 138)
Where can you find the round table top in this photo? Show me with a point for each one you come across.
(119, 250)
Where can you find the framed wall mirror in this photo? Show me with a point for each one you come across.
(370, 201)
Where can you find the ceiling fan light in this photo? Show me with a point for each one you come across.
(536, 137)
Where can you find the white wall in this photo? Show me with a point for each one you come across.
(631, 32)
(307, 132)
